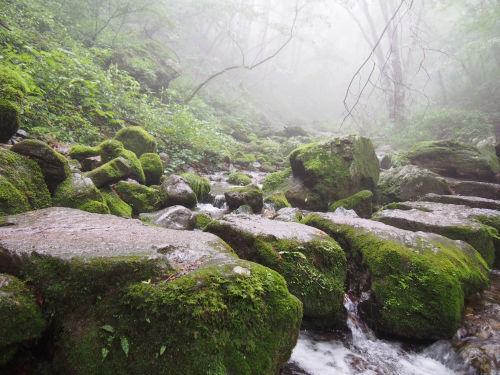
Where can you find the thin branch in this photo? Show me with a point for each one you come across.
(254, 65)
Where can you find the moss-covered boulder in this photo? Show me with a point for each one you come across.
(137, 140)
(22, 185)
(276, 181)
(175, 190)
(130, 298)
(202, 219)
(116, 205)
(453, 221)
(141, 198)
(78, 191)
(473, 188)
(248, 195)
(239, 178)
(199, 185)
(152, 167)
(110, 172)
(417, 282)
(79, 152)
(336, 169)
(408, 183)
(112, 149)
(313, 264)
(54, 166)
(455, 159)
(22, 319)
(9, 120)
(361, 203)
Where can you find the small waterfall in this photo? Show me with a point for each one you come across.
(220, 202)
(360, 352)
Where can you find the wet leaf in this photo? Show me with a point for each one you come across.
(125, 345)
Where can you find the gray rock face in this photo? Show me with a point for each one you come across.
(65, 233)
(54, 166)
(408, 183)
(91, 163)
(175, 217)
(472, 202)
(288, 214)
(454, 221)
(250, 195)
(176, 191)
(474, 188)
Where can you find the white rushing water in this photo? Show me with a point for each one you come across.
(361, 353)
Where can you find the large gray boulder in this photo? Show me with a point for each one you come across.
(136, 299)
(408, 183)
(411, 285)
(176, 191)
(474, 188)
(175, 217)
(335, 169)
(313, 264)
(455, 159)
(453, 221)
(472, 202)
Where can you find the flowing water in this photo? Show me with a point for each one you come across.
(359, 352)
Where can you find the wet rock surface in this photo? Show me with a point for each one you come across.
(175, 217)
(474, 188)
(472, 202)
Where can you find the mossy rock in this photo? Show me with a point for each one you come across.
(141, 198)
(453, 221)
(152, 167)
(131, 298)
(202, 220)
(26, 176)
(360, 202)
(78, 191)
(137, 140)
(116, 205)
(9, 120)
(455, 159)
(199, 185)
(110, 172)
(54, 166)
(250, 195)
(111, 149)
(336, 169)
(12, 201)
(408, 183)
(418, 281)
(22, 319)
(175, 190)
(312, 263)
(244, 160)
(79, 152)
(13, 86)
(278, 200)
(239, 178)
(276, 181)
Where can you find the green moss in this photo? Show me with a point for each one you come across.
(239, 178)
(22, 318)
(116, 205)
(278, 201)
(275, 181)
(202, 220)
(95, 207)
(110, 149)
(250, 195)
(111, 172)
(13, 86)
(80, 152)
(360, 202)
(9, 120)
(137, 140)
(152, 167)
(482, 239)
(243, 159)
(416, 293)
(211, 321)
(141, 198)
(26, 176)
(12, 201)
(199, 185)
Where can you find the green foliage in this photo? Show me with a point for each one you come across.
(275, 181)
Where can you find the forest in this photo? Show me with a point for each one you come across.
(250, 187)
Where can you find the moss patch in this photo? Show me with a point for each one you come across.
(199, 185)
(12, 201)
(250, 195)
(417, 292)
(152, 167)
(80, 152)
(278, 201)
(202, 220)
(275, 181)
(211, 321)
(141, 198)
(360, 202)
(116, 206)
(137, 140)
(239, 178)
(9, 120)
(111, 172)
